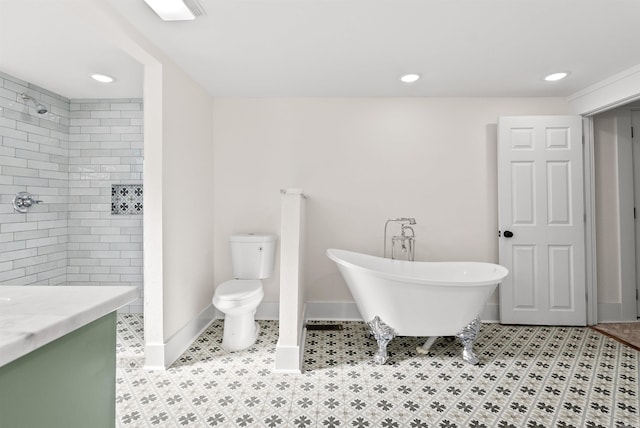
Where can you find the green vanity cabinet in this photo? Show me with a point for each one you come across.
(67, 383)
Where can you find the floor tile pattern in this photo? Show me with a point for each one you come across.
(528, 377)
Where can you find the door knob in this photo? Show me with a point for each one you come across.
(508, 234)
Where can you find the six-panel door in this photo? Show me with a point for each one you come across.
(540, 197)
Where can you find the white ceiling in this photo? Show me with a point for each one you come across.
(47, 43)
(342, 48)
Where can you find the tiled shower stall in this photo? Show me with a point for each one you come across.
(78, 158)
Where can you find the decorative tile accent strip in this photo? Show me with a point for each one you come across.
(126, 199)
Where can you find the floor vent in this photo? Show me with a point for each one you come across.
(329, 327)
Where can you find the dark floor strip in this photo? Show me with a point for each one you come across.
(614, 337)
(329, 327)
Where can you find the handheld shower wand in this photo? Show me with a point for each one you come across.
(39, 107)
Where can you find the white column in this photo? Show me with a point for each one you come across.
(290, 346)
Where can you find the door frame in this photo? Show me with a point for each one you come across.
(591, 261)
(627, 263)
(615, 91)
(626, 203)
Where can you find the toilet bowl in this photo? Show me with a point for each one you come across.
(238, 299)
(253, 259)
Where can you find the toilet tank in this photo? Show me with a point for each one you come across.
(253, 255)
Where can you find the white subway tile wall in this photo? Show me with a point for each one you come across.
(69, 158)
(105, 149)
(34, 157)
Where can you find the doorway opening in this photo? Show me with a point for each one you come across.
(617, 194)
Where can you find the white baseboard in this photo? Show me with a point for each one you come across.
(330, 311)
(154, 357)
(333, 311)
(345, 311)
(160, 357)
(289, 358)
(491, 313)
(611, 312)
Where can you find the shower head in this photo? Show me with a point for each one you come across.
(39, 107)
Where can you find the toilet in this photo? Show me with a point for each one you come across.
(252, 257)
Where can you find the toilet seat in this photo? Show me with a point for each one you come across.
(238, 289)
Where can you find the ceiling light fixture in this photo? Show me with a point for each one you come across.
(171, 10)
(556, 76)
(102, 78)
(410, 78)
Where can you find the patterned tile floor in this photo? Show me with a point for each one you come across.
(528, 377)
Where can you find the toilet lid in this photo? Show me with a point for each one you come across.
(238, 289)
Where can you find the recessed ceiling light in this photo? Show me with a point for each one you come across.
(410, 78)
(556, 76)
(102, 78)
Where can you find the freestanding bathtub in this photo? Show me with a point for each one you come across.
(425, 299)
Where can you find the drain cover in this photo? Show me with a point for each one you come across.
(324, 327)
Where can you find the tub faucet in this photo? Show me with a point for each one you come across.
(404, 228)
(406, 240)
(409, 220)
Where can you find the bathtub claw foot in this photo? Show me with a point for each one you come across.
(468, 336)
(383, 335)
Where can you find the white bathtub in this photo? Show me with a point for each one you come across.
(431, 299)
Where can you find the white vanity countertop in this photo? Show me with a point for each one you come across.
(32, 316)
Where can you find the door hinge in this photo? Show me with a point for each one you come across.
(634, 213)
(632, 132)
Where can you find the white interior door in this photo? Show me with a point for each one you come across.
(541, 220)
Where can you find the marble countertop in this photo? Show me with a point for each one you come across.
(32, 316)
